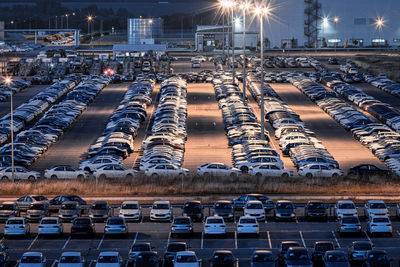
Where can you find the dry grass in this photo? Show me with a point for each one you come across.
(380, 64)
(199, 186)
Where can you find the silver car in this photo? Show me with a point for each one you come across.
(71, 259)
(115, 226)
(37, 211)
(68, 211)
(7, 210)
(50, 226)
(16, 226)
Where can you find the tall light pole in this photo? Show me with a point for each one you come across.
(66, 16)
(244, 7)
(379, 23)
(261, 12)
(232, 4)
(89, 20)
(336, 20)
(8, 82)
(151, 28)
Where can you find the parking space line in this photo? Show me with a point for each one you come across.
(396, 232)
(337, 241)
(302, 239)
(369, 239)
(66, 242)
(202, 239)
(101, 242)
(136, 235)
(297, 221)
(236, 243)
(169, 238)
(34, 240)
(141, 220)
(269, 240)
(54, 263)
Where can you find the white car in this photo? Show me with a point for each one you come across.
(130, 211)
(196, 64)
(20, 173)
(375, 208)
(161, 211)
(16, 226)
(50, 226)
(114, 171)
(254, 208)
(91, 165)
(109, 259)
(65, 172)
(32, 259)
(379, 224)
(319, 170)
(186, 259)
(71, 259)
(345, 208)
(165, 170)
(248, 225)
(246, 165)
(216, 169)
(214, 225)
(270, 170)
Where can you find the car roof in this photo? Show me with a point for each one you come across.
(71, 253)
(376, 201)
(345, 201)
(223, 252)
(188, 253)
(162, 202)
(223, 201)
(109, 253)
(130, 202)
(33, 253)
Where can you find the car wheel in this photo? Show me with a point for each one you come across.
(31, 178)
(258, 175)
(87, 169)
(285, 175)
(80, 177)
(102, 177)
(53, 177)
(335, 175)
(206, 174)
(129, 176)
(4, 178)
(233, 175)
(154, 175)
(309, 175)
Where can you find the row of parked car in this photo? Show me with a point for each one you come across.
(116, 142)
(164, 145)
(32, 143)
(306, 151)
(16, 86)
(381, 111)
(383, 82)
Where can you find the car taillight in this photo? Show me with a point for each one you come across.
(240, 225)
(373, 225)
(255, 225)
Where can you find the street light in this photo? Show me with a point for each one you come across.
(8, 82)
(89, 19)
(244, 7)
(228, 4)
(379, 23)
(261, 12)
(336, 20)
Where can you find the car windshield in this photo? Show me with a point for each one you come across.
(316, 205)
(7, 207)
(263, 258)
(31, 259)
(181, 221)
(223, 258)
(69, 206)
(334, 257)
(248, 220)
(253, 206)
(381, 220)
(176, 247)
(37, 207)
(82, 221)
(15, 222)
(377, 206)
(215, 220)
(70, 259)
(115, 221)
(140, 247)
(186, 258)
(346, 206)
(147, 258)
(223, 206)
(49, 222)
(99, 206)
(297, 255)
(130, 206)
(350, 220)
(108, 259)
(196, 207)
(284, 206)
(362, 246)
(161, 206)
(324, 247)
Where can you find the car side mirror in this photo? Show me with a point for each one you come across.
(95, 261)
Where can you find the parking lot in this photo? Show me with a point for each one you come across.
(158, 234)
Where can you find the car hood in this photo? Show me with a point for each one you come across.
(70, 265)
(98, 212)
(337, 264)
(128, 211)
(68, 212)
(374, 211)
(160, 211)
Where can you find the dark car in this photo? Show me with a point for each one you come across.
(147, 259)
(223, 258)
(349, 224)
(377, 258)
(58, 200)
(262, 258)
(172, 249)
(82, 226)
(297, 257)
(285, 245)
(224, 209)
(284, 210)
(367, 170)
(99, 211)
(137, 248)
(3, 255)
(335, 258)
(7, 210)
(319, 250)
(37, 211)
(358, 251)
(194, 210)
(316, 210)
(239, 202)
